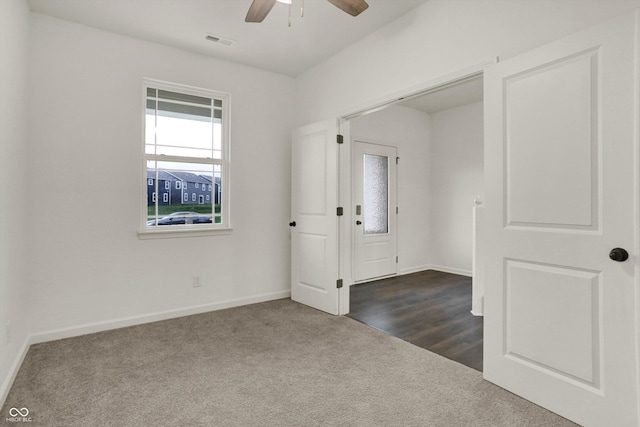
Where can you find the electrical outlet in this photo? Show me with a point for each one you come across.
(196, 281)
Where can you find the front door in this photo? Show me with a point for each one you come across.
(374, 180)
(561, 164)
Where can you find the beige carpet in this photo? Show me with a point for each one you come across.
(271, 364)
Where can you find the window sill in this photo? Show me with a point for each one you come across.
(179, 231)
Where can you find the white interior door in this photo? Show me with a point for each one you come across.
(314, 220)
(375, 235)
(561, 182)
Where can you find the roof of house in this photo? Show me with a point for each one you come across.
(183, 176)
(162, 175)
(189, 177)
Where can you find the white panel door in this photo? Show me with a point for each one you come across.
(314, 226)
(374, 190)
(560, 168)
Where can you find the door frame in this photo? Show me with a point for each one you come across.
(345, 229)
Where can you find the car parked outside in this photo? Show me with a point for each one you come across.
(177, 218)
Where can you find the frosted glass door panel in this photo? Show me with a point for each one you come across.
(376, 194)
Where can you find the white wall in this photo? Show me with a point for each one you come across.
(456, 165)
(14, 305)
(437, 39)
(87, 264)
(408, 130)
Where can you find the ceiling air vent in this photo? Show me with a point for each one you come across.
(219, 40)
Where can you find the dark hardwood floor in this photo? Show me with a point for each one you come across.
(430, 309)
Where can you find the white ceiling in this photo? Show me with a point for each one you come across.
(271, 45)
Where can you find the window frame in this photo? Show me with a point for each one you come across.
(186, 230)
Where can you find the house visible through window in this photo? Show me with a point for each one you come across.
(186, 146)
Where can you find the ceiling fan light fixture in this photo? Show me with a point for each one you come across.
(259, 9)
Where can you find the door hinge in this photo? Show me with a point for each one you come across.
(340, 211)
(396, 259)
(397, 210)
(339, 139)
(339, 283)
(397, 159)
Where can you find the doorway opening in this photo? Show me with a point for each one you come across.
(439, 139)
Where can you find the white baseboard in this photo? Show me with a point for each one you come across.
(414, 269)
(91, 328)
(452, 270)
(442, 268)
(13, 371)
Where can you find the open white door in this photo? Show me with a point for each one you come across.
(314, 226)
(561, 171)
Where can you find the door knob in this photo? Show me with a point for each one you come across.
(619, 254)
(292, 224)
(358, 222)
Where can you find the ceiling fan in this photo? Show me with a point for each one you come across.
(259, 9)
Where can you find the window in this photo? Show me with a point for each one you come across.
(186, 139)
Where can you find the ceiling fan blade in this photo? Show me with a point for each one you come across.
(259, 10)
(352, 7)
